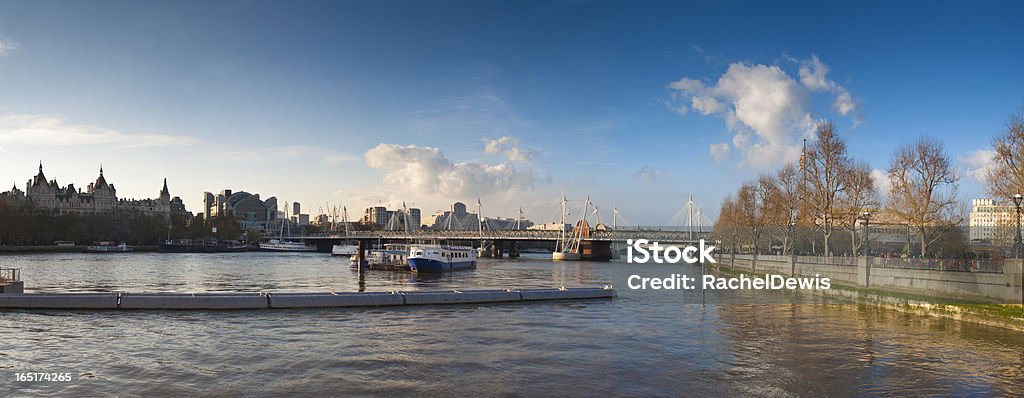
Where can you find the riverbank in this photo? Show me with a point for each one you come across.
(1007, 316)
(61, 249)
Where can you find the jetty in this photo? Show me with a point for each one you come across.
(273, 300)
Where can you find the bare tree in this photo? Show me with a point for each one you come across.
(728, 222)
(825, 165)
(923, 189)
(784, 206)
(1006, 177)
(860, 195)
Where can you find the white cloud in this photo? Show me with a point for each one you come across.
(814, 75)
(46, 130)
(420, 170)
(510, 146)
(647, 174)
(6, 46)
(764, 107)
(881, 179)
(766, 111)
(978, 163)
(719, 151)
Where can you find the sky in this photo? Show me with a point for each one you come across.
(636, 105)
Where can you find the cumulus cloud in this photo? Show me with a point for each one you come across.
(881, 179)
(719, 151)
(647, 174)
(46, 130)
(510, 147)
(764, 107)
(978, 163)
(814, 75)
(426, 170)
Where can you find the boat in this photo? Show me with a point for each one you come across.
(345, 250)
(392, 256)
(275, 245)
(565, 256)
(201, 246)
(282, 245)
(108, 247)
(441, 258)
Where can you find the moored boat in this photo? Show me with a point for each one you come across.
(441, 258)
(275, 245)
(344, 250)
(201, 246)
(108, 247)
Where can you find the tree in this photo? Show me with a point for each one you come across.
(859, 196)
(783, 208)
(825, 166)
(923, 189)
(1006, 177)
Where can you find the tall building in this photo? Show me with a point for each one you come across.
(455, 219)
(990, 222)
(296, 208)
(381, 217)
(99, 197)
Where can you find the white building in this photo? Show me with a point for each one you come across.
(551, 226)
(991, 222)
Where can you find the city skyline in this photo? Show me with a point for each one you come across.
(358, 106)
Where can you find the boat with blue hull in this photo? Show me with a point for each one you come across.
(438, 258)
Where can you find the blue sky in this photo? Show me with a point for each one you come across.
(359, 103)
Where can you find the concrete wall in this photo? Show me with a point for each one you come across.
(1004, 287)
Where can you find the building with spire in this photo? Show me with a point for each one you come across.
(99, 197)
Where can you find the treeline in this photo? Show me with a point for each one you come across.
(23, 224)
(818, 206)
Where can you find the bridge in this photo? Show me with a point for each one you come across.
(615, 236)
(588, 238)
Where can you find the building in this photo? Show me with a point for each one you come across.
(382, 218)
(99, 197)
(990, 222)
(455, 219)
(248, 209)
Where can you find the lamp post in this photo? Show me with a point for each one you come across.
(1016, 240)
(792, 239)
(1017, 246)
(867, 240)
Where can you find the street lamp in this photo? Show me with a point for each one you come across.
(867, 241)
(1016, 240)
(792, 237)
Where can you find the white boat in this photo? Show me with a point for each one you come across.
(439, 258)
(275, 245)
(344, 250)
(108, 247)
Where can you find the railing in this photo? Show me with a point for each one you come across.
(9, 275)
(828, 260)
(940, 264)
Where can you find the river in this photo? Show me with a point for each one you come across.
(644, 343)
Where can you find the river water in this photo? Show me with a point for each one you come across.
(644, 343)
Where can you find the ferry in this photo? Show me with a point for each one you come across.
(344, 250)
(108, 247)
(275, 245)
(439, 258)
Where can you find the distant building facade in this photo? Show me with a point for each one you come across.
(99, 197)
(248, 209)
(989, 221)
(380, 217)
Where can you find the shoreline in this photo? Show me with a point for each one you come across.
(1006, 316)
(65, 249)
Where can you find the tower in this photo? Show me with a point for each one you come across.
(165, 195)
